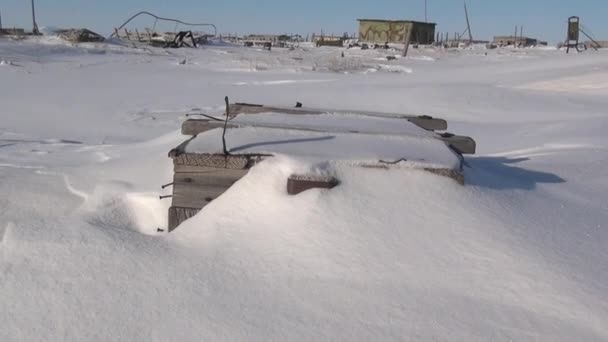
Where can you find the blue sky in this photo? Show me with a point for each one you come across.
(545, 19)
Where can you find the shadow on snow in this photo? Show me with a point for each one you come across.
(500, 173)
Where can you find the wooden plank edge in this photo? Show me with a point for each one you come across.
(218, 160)
(297, 184)
(177, 216)
(423, 121)
(462, 144)
(456, 175)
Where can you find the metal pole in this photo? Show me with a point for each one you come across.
(0, 20)
(426, 20)
(35, 28)
(466, 14)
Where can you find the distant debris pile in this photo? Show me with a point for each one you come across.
(176, 39)
(519, 41)
(12, 32)
(163, 40)
(80, 36)
(323, 40)
(268, 41)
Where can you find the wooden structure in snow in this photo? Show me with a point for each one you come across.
(205, 166)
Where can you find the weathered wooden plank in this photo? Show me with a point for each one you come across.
(454, 174)
(299, 183)
(198, 126)
(464, 145)
(177, 215)
(204, 169)
(217, 177)
(191, 196)
(422, 121)
(181, 149)
(429, 123)
(217, 160)
(248, 108)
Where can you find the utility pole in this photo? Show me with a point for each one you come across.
(515, 37)
(426, 20)
(0, 20)
(521, 37)
(466, 13)
(35, 30)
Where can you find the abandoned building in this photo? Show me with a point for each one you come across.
(517, 41)
(394, 31)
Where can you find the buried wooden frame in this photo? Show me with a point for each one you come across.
(200, 178)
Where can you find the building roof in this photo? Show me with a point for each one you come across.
(398, 21)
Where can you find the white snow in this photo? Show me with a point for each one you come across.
(328, 146)
(519, 253)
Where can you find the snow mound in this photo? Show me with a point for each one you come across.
(406, 252)
(113, 206)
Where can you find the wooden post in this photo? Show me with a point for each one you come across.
(466, 13)
(35, 30)
(408, 35)
(127, 33)
(116, 33)
(515, 37)
(138, 36)
(521, 37)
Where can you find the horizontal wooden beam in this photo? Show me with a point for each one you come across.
(190, 196)
(422, 121)
(462, 144)
(297, 184)
(218, 177)
(215, 160)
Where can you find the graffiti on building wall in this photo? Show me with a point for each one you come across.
(380, 32)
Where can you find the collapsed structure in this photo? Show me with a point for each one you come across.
(520, 41)
(189, 38)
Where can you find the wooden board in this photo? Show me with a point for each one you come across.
(213, 177)
(216, 160)
(177, 215)
(297, 184)
(423, 121)
(463, 144)
(190, 196)
(194, 187)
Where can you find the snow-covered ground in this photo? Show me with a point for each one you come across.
(519, 253)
